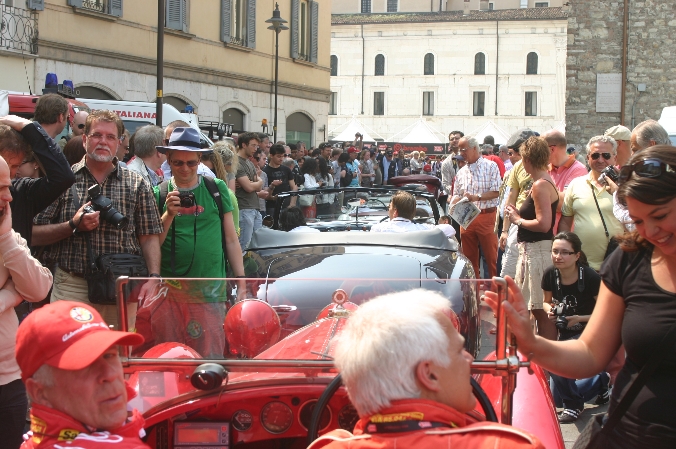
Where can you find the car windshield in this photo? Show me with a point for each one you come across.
(268, 328)
(334, 209)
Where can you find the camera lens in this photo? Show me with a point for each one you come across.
(115, 218)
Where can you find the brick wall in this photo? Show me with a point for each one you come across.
(595, 46)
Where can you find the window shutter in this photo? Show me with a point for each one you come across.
(295, 5)
(251, 24)
(184, 16)
(226, 20)
(76, 3)
(115, 8)
(174, 19)
(37, 5)
(314, 30)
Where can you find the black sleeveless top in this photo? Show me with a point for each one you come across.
(527, 212)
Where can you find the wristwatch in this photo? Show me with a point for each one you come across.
(519, 222)
(479, 196)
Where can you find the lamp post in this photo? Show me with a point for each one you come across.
(276, 24)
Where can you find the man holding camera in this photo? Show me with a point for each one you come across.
(589, 206)
(77, 217)
(197, 236)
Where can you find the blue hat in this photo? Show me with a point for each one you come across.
(184, 139)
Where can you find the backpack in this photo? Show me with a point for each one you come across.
(347, 179)
(211, 186)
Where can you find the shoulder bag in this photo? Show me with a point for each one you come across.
(612, 243)
(102, 272)
(596, 432)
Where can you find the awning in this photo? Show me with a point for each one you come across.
(350, 129)
(419, 132)
(490, 129)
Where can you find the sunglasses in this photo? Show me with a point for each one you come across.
(190, 164)
(647, 168)
(596, 156)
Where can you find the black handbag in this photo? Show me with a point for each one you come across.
(596, 432)
(612, 242)
(102, 273)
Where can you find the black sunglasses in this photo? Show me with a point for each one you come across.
(191, 164)
(596, 156)
(647, 168)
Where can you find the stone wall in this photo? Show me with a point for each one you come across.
(595, 46)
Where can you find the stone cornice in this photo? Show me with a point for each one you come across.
(113, 60)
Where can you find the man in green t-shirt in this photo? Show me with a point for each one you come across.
(192, 247)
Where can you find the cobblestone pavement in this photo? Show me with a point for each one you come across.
(570, 431)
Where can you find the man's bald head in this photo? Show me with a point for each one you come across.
(79, 122)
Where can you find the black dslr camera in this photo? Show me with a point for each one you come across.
(609, 172)
(563, 309)
(103, 204)
(187, 199)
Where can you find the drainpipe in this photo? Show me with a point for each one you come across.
(625, 36)
(497, 55)
(363, 67)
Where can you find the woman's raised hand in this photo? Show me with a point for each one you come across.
(518, 317)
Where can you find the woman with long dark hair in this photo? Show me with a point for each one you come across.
(636, 306)
(571, 287)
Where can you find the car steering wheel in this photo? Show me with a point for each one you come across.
(332, 387)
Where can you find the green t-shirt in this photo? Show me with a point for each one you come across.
(520, 181)
(209, 260)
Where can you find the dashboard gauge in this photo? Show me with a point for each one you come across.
(305, 415)
(276, 417)
(242, 420)
(348, 417)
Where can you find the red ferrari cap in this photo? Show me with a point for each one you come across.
(65, 334)
(352, 150)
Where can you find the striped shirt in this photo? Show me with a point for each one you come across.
(129, 193)
(478, 178)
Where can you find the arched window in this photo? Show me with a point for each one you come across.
(380, 65)
(235, 117)
(480, 64)
(429, 64)
(532, 63)
(334, 65)
(176, 102)
(299, 127)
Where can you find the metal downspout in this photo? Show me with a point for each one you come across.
(363, 67)
(497, 56)
(625, 36)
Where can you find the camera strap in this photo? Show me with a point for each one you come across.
(173, 248)
(90, 253)
(580, 281)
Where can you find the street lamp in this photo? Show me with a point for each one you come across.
(276, 24)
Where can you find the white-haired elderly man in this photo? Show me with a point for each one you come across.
(589, 206)
(478, 181)
(418, 394)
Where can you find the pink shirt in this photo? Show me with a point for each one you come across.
(562, 175)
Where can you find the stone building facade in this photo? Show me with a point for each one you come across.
(458, 71)
(595, 46)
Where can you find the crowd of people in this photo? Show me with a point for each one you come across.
(549, 218)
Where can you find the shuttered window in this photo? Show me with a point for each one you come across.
(176, 15)
(112, 7)
(380, 65)
(304, 29)
(480, 64)
(238, 22)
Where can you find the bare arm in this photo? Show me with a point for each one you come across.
(565, 224)
(232, 245)
(543, 210)
(52, 233)
(575, 359)
(150, 244)
(173, 204)
(248, 185)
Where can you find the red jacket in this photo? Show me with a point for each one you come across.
(51, 429)
(427, 413)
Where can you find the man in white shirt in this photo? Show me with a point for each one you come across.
(401, 212)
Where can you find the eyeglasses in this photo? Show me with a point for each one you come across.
(596, 156)
(108, 137)
(647, 168)
(190, 164)
(556, 252)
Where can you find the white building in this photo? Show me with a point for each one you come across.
(457, 70)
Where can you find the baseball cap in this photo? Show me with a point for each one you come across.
(618, 132)
(458, 157)
(519, 137)
(352, 150)
(67, 335)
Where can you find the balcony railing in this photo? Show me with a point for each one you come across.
(241, 41)
(18, 29)
(96, 5)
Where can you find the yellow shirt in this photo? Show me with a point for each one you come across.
(579, 204)
(520, 181)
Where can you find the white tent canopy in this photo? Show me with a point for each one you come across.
(351, 128)
(490, 129)
(419, 132)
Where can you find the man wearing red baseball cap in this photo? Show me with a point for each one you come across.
(70, 364)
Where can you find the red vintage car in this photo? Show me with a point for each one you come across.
(274, 384)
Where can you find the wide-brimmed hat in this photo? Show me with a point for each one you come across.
(184, 139)
(67, 335)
